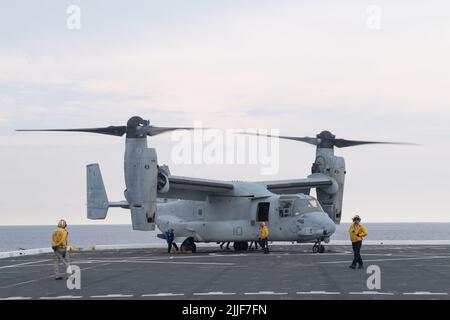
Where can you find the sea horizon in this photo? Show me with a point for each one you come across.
(20, 237)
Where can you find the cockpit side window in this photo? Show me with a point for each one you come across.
(309, 205)
(285, 208)
(293, 208)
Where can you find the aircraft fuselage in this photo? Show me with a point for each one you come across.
(224, 218)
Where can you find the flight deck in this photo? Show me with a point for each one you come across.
(289, 272)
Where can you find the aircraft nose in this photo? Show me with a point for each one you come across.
(329, 227)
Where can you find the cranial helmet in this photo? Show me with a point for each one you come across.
(62, 223)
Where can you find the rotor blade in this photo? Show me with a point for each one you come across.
(112, 130)
(153, 131)
(313, 141)
(342, 143)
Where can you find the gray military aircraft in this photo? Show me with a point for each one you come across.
(203, 210)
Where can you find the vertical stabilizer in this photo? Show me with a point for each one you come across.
(97, 199)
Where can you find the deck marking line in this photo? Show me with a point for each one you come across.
(395, 259)
(23, 264)
(318, 292)
(61, 297)
(163, 295)
(114, 295)
(373, 293)
(214, 293)
(167, 262)
(426, 293)
(49, 277)
(265, 293)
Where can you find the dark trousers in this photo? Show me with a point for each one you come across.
(256, 245)
(356, 253)
(228, 245)
(170, 244)
(264, 245)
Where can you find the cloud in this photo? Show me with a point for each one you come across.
(289, 55)
(289, 65)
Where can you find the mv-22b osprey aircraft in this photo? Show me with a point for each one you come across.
(203, 210)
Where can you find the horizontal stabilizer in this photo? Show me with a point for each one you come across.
(119, 204)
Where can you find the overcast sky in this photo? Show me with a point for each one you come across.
(297, 66)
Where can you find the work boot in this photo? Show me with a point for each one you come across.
(352, 266)
(360, 266)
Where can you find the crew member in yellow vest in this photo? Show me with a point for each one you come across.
(263, 237)
(357, 232)
(59, 246)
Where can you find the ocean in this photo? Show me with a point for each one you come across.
(31, 237)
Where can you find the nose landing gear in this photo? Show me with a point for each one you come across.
(318, 248)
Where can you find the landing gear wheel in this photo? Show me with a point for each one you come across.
(318, 248)
(315, 248)
(240, 246)
(189, 245)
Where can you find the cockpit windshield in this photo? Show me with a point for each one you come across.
(295, 207)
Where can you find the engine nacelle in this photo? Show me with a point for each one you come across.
(334, 167)
(141, 178)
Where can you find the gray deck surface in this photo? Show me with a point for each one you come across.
(288, 272)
